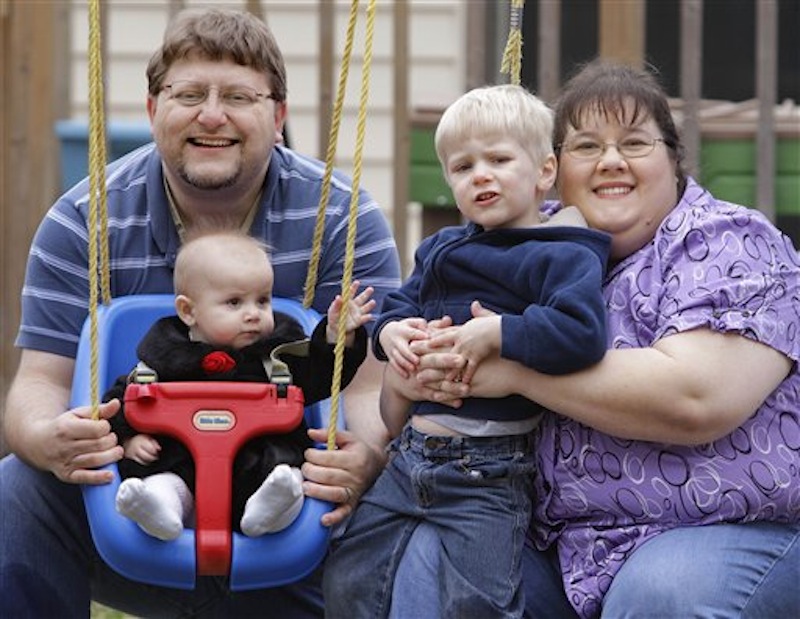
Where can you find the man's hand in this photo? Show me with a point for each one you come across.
(78, 444)
(340, 475)
(69, 444)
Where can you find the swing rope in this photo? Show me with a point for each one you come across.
(330, 156)
(512, 55)
(98, 263)
(347, 275)
(97, 227)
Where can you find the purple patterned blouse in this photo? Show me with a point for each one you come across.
(711, 264)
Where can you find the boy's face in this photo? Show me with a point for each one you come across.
(496, 183)
(233, 305)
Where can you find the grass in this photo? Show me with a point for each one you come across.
(98, 611)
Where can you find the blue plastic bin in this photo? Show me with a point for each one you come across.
(73, 136)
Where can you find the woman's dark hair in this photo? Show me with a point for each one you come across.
(616, 90)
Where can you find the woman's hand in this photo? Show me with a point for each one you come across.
(494, 378)
(437, 376)
(477, 339)
(446, 375)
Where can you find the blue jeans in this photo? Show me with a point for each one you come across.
(743, 571)
(475, 493)
(748, 571)
(420, 564)
(49, 566)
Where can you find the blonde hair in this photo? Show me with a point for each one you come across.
(197, 255)
(506, 110)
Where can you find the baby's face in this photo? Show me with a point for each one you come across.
(234, 307)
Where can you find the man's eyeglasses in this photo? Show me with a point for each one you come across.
(190, 94)
(631, 147)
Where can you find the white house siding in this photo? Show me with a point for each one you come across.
(436, 72)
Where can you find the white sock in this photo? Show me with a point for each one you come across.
(276, 504)
(159, 504)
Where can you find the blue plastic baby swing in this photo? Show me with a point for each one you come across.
(267, 561)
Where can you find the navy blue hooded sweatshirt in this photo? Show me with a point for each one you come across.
(545, 281)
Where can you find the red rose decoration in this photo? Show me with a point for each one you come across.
(218, 362)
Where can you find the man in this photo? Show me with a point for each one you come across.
(217, 106)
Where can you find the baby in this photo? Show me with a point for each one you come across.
(225, 329)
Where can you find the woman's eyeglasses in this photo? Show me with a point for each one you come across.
(631, 147)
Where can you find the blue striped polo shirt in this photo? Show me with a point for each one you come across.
(143, 243)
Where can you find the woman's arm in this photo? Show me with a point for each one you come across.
(689, 388)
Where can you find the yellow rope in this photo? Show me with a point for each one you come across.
(347, 276)
(98, 204)
(333, 139)
(316, 249)
(97, 231)
(512, 55)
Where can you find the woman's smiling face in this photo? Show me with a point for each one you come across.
(628, 197)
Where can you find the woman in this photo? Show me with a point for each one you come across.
(693, 416)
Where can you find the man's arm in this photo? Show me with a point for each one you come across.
(361, 406)
(69, 445)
